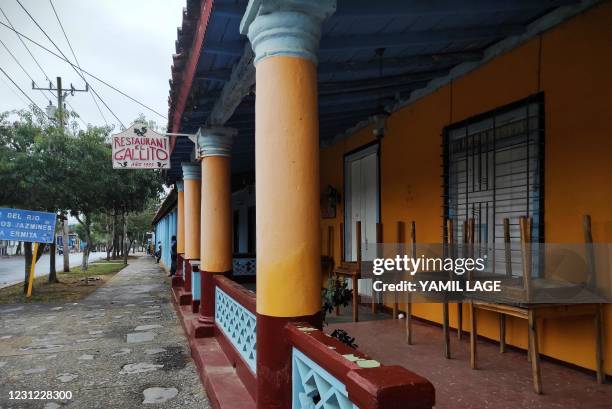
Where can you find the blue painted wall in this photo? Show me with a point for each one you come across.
(164, 230)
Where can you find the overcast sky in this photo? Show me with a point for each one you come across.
(128, 43)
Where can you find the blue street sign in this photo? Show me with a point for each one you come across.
(27, 225)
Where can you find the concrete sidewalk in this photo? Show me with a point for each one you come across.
(122, 347)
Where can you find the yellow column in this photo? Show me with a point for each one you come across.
(180, 218)
(216, 208)
(287, 194)
(285, 37)
(214, 144)
(192, 180)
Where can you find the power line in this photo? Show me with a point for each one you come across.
(84, 70)
(22, 91)
(72, 65)
(14, 92)
(25, 45)
(17, 61)
(41, 90)
(21, 66)
(36, 61)
(75, 58)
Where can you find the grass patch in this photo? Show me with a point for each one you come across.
(72, 285)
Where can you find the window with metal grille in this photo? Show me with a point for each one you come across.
(493, 169)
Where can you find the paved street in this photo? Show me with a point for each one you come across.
(122, 347)
(12, 268)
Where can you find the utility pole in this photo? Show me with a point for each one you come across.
(62, 93)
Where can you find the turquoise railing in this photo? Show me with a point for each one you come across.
(314, 387)
(244, 266)
(195, 284)
(238, 324)
(328, 374)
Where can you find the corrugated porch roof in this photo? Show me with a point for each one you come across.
(422, 41)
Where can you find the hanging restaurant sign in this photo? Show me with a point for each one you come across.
(140, 148)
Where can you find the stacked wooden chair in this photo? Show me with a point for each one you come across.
(524, 308)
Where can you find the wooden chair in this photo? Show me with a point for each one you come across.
(327, 260)
(401, 229)
(449, 237)
(351, 269)
(380, 241)
(531, 312)
(409, 330)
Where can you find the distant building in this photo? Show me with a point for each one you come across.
(74, 242)
(8, 248)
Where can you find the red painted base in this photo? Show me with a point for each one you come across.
(195, 306)
(274, 358)
(242, 370)
(223, 387)
(199, 330)
(178, 282)
(180, 297)
(185, 299)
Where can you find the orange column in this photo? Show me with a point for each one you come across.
(192, 186)
(285, 37)
(216, 216)
(287, 195)
(178, 280)
(180, 219)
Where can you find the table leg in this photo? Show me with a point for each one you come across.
(459, 319)
(502, 333)
(355, 299)
(337, 280)
(395, 306)
(599, 354)
(409, 320)
(473, 335)
(374, 306)
(534, 352)
(445, 330)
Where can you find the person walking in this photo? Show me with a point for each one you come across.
(159, 252)
(173, 256)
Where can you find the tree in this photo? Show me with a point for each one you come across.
(99, 189)
(52, 167)
(139, 223)
(52, 249)
(95, 238)
(43, 167)
(139, 187)
(23, 170)
(104, 227)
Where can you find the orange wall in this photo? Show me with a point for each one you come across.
(572, 65)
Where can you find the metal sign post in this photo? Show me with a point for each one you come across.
(32, 270)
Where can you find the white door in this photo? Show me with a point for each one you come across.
(362, 200)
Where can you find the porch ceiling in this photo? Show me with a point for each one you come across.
(421, 40)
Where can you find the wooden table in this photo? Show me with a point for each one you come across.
(531, 313)
(350, 270)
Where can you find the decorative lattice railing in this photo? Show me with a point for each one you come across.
(195, 284)
(244, 266)
(238, 324)
(314, 387)
(324, 372)
(328, 374)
